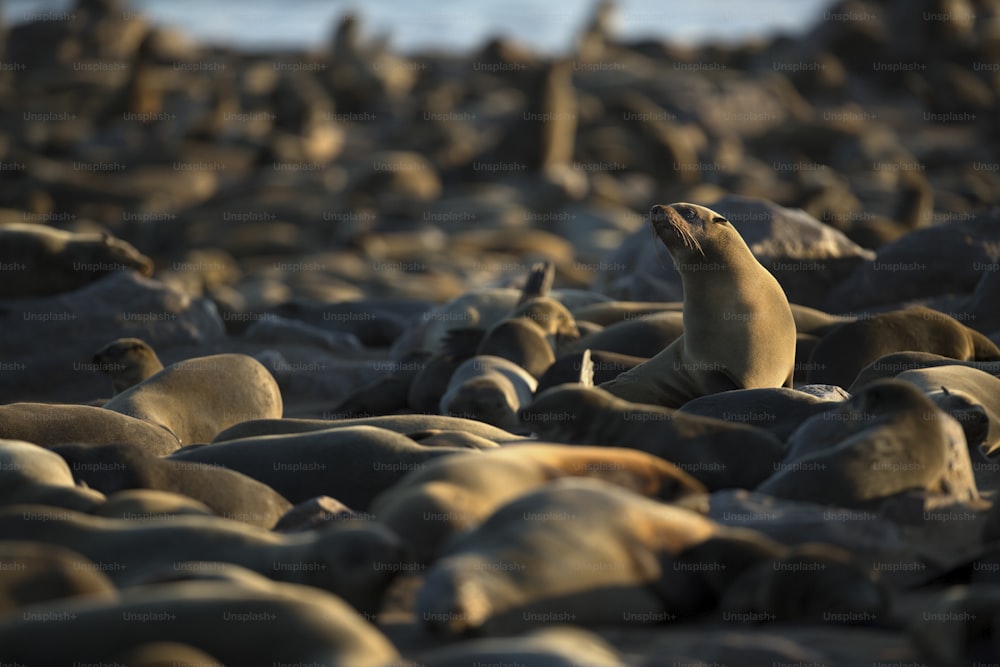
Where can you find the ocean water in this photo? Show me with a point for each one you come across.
(456, 25)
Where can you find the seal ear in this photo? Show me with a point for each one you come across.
(719, 219)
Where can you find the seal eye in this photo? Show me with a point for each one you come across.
(689, 214)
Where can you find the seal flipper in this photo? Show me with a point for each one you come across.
(586, 369)
(539, 282)
(719, 381)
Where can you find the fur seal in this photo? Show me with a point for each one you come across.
(807, 320)
(353, 561)
(266, 623)
(604, 366)
(844, 352)
(739, 332)
(887, 439)
(388, 393)
(30, 474)
(455, 493)
(811, 583)
(398, 423)
(165, 654)
(969, 395)
(128, 361)
(49, 424)
(646, 336)
(585, 551)
(549, 647)
(717, 453)
(111, 468)
(490, 389)
(529, 337)
(34, 573)
(197, 398)
(436, 437)
(612, 312)
(352, 464)
(430, 384)
(778, 410)
(893, 364)
(315, 513)
(150, 505)
(52, 261)
(957, 627)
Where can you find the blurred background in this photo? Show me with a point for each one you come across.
(347, 167)
(455, 25)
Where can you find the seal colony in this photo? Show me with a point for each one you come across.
(506, 500)
(413, 407)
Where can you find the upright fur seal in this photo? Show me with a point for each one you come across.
(739, 332)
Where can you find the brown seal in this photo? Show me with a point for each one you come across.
(50, 261)
(112, 468)
(717, 453)
(399, 423)
(845, 351)
(127, 361)
(197, 398)
(258, 623)
(49, 424)
(352, 464)
(456, 493)
(887, 439)
(490, 389)
(34, 573)
(739, 332)
(354, 561)
(586, 552)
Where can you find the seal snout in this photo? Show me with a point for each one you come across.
(666, 217)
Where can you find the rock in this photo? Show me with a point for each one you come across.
(807, 257)
(938, 260)
(48, 342)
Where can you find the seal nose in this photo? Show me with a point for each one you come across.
(658, 214)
